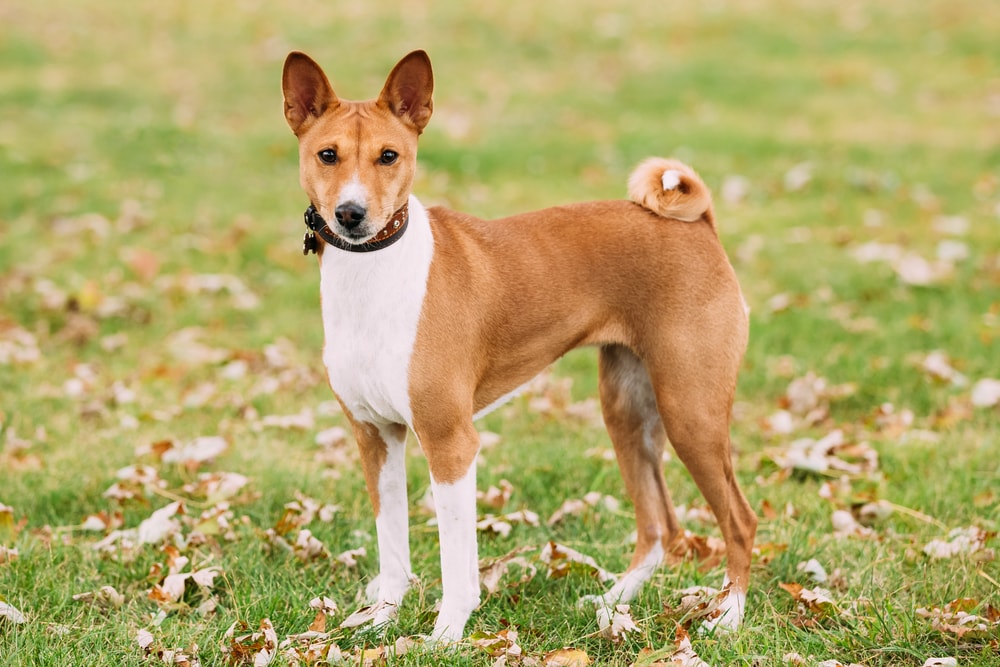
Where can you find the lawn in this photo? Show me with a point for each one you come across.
(174, 474)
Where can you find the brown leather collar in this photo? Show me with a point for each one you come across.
(388, 235)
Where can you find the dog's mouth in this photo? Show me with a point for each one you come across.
(354, 236)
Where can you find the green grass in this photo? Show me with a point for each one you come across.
(128, 128)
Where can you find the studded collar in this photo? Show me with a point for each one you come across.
(388, 235)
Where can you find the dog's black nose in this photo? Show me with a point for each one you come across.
(350, 214)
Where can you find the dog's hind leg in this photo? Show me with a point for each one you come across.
(695, 394)
(628, 403)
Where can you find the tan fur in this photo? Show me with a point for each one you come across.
(647, 281)
(690, 200)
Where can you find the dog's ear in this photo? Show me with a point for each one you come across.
(408, 90)
(308, 93)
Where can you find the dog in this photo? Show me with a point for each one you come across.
(433, 318)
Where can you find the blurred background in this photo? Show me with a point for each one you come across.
(152, 284)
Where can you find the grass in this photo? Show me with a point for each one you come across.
(142, 146)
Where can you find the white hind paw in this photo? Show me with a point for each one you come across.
(730, 614)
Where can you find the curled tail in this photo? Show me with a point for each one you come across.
(672, 189)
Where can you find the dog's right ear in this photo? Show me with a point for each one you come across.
(308, 93)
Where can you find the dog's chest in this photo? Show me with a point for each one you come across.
(371, 310)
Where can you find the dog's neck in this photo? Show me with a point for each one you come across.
(392, 232)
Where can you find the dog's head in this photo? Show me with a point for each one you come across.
(357, 159)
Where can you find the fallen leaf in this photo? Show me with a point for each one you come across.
(986, 393)
(17, 346)
(161, 524)
(956, 618)
(566, 657)
(492, 571)
(706, 549)
(350, 557)
(961, 541)
(563, 560)
(832, 453)
(496, 496)
(814, 600)
(502, 525)
(106, 597)
(615, 623)
(845, 525)
(684, 654)
(10, 613)
(498, 644)
(939, 366)
(191, 454)
(813, 569)
(257, 648)
(375, 612)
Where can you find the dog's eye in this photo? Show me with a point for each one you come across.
(327, 156)
(388, 157)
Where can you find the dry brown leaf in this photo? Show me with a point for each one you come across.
(970, 541)
(576, 506)
(161, 524)
(566, 657)
(496, 496)
(683, 654)
(492, 571)
(706, 549)
(106, 597)
(563, 560)
(815, 600)
(615, 623)
(956, 618)
(502, 525)
(10, 613)
(498, 644)
(378, 612)
(831, 454)
(241, 646)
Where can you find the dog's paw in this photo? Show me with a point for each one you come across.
(728, 616)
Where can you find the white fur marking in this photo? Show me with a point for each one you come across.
(371, 309)
(354, 191)
(671, 179)
(392, 527)
(732, 609)
(631, 582)
(456, 514)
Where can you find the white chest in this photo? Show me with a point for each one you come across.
(371, 310)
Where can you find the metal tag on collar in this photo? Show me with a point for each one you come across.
(309, 243)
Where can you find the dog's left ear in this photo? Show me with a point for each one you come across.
(408, 90)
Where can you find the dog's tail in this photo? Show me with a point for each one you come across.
(672, 189)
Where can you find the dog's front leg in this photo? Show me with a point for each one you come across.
(452, 460)
(383, 459)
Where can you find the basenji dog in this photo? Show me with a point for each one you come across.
(433, 318)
